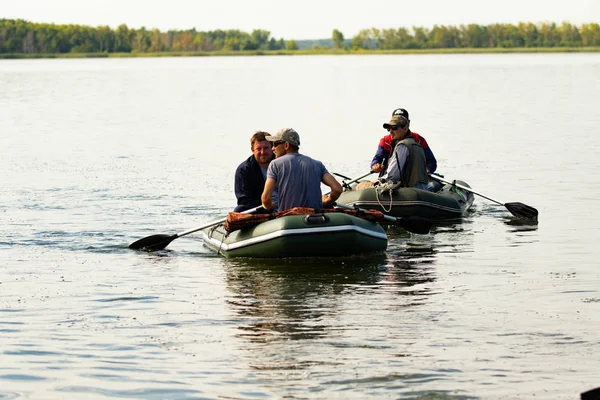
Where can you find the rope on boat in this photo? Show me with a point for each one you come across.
(381, 190)
(222, 238)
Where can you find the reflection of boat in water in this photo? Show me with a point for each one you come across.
(315, 235)
(280, 300)
(450, 202)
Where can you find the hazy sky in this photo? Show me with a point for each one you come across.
(306, 19)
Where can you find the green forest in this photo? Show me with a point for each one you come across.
(23, 38)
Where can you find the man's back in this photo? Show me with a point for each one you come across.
(298, 180)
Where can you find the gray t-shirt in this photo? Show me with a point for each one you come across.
(275, 195)
(298, 180)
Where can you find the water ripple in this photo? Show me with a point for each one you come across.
(21, 377)
(130, 298)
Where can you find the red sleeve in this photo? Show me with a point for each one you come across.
(420, 139)
(386, 143)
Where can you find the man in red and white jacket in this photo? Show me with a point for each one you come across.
(386, 145)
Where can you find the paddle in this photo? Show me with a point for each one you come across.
(346, 184)
(418, 225)
(160, 241)
(593, 394)
(517, 209)
(341, 176)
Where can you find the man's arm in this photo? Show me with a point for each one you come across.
(267, 195)
(430, 160)
(336, 189)
(380, 155)
(240, 185)
(246, 197)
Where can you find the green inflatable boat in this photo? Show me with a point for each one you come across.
(450, 202)
(315, 235)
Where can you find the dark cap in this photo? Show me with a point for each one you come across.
(401, 111)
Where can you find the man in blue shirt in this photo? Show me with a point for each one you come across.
(297, 177)
(250, 175)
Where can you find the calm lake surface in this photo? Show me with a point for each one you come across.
(99, 153)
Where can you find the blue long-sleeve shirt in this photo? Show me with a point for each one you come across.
(249, 184)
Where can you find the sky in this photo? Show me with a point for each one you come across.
(306, 19)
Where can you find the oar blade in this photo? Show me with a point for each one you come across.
(414, 224)
(154, 242)
(522, 210)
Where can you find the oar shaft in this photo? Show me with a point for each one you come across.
(360, 177)
(217, 222)
(159, 242)
(347, 207)
(468, 189)
(412, 224)
(356, 179)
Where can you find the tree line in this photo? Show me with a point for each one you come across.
(19, 36)
(524, 34)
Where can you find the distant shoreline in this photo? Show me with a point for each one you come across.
(495, 50)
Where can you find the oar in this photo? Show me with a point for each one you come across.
(160, 241)
(593, 394)
(351, 181)
(413, 224)
(517, 209)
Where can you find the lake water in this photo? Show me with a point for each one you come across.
(99, 153)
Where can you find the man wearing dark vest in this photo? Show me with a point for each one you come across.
(386, 143)
(407, 164)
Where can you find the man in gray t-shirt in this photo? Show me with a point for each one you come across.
(297, 177)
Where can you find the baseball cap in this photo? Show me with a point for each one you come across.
(396, 120)
(287, 135)
(401, 111)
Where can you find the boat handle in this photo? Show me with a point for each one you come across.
(314, 219)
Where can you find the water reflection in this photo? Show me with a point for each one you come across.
(288, 299)
(411, 279)
(520, 224)
(285, 307)
(450, 236)
(300, 299)
(501, 213)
